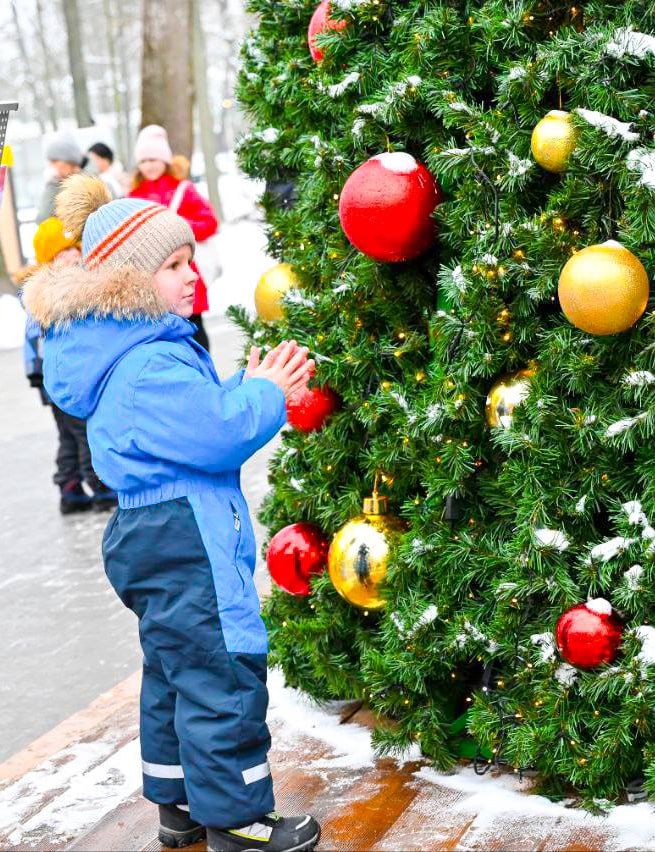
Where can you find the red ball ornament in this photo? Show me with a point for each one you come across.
(295, 554)
(320, 23)
(386, 207)
(589, 634)
(308, 409)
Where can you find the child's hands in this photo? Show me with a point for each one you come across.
(287, 366)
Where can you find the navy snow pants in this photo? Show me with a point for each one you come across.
(204, 739)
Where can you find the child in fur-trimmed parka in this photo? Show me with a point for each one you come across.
(170, 438)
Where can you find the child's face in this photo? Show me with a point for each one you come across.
(152, 169)
(69, 256)
(176, 282)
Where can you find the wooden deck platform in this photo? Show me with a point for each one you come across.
(78, 788)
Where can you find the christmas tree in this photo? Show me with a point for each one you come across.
(494, 372)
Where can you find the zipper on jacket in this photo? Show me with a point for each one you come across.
(236, 517)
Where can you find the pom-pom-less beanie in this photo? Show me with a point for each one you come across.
(152, 144)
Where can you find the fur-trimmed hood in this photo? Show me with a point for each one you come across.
(57, 295)
(91, 321)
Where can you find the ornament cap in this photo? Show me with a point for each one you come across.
(376, 504)
(558, 113)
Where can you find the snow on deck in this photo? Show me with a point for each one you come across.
(319, 763)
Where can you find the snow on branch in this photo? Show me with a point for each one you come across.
(348, 5)
(553, 539)
(517, 166)
(546, 644)
(461, 153)
(633, 576)
(338, 89)
(427, 617)
(607, 550)
(611, 126)
(639, 378)
(621, 426)
(472, 632)
(419, 546)
(627, 42)
(295, 297)
(642, 160)
(459, 279)
(637, 517)
(646, 636)
(517, 72)
(566, 674)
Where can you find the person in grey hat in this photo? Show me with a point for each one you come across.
(65, 158)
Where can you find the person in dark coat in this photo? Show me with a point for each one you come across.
(73, 461)
(171, 437)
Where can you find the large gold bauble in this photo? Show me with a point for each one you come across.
(553, 140)
(603, 289)
(359, 554)
(271, 288)
(504, 396)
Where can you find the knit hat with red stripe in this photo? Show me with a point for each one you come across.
(127, 231)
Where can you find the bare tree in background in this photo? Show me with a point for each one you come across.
(27, 66)
(118, 86)
(126, 75)
(167, 82)
(227, 81)
(205, 117)
(49, 74)
(76, 59)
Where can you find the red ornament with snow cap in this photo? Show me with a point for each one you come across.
(589, 634)
(386, 207)
(320, 23)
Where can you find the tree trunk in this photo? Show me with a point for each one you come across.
(117, 88)
(205, 117)
(49, 74)
(78, 71)
(27, 65)
(125, 83)
(167, 82)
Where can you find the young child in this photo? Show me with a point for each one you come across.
(161, 177)
(52, 245)
(180, 550)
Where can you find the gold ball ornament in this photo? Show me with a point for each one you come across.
(553, 141)
(358, 558)
(504, 396)
(603, 289)
(270, 289)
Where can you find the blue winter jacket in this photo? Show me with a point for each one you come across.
(160, 423)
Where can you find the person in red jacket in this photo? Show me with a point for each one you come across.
(158, 179)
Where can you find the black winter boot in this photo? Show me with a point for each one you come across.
(73, 498)
(176, 828)
(272, 833)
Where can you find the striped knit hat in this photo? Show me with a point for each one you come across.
(118, 233)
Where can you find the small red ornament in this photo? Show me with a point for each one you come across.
(308, 409)
(589, 634)
(295, 554)
(320, 22)
(386, 207)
